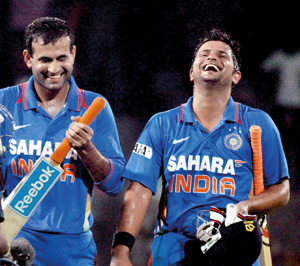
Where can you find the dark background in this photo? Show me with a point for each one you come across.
(138, 54)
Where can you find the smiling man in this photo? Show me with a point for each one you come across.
(51, 61)
(45, 110)
(202, 152)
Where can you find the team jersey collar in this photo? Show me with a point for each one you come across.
(74, 99)
(231, 113)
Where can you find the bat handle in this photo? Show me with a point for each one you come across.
(95, 108)
(255, 135)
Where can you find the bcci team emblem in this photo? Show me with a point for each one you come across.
(233, 141)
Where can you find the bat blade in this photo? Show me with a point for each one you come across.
(33, 187)
(258, 180)
(27, 195)
(265, 256)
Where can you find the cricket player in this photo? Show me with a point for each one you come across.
(46, 109)
(6, 133)
(201, 149)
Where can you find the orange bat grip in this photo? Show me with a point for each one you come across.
(95, 108)
(258, 176)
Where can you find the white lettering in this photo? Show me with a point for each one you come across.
(32, 192)
(22, 147)
(229, 168)
(214, 164)
(35, 147)
(172, 163)
(217, 164)
(205, 165)
(181, 163)
(48, 172)
(37, 185)
(72, 154)
(27, 199)
(47, 149)
(12, 146)
(192, 162)
(21, 205)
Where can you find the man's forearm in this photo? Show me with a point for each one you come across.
(97, 164)
(272, 198)
(134, 209)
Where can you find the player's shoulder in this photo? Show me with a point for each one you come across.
(170, 116)
(252, 111)
(91, 95)
(11, 94)
(253, 116)
(12, 89)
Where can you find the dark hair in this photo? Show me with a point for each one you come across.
(218, 35)
(49, 29)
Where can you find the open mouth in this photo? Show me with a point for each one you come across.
(211, 67)
(53, 77)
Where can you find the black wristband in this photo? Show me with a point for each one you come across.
(123, 238)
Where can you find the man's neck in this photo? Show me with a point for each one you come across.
(52, 101)
(209, 105)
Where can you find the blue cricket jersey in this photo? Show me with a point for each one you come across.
(201, 169)
(67, 207)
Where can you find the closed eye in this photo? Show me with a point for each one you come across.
(62, 58)
(223, 55)
(44, 59)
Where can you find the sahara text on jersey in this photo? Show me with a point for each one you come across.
(205, 163)
(21, 167)
(203, 183)
(36, 147)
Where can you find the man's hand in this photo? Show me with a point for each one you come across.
(274, 197)
(120, 256)
(79, 134)
(243, 207)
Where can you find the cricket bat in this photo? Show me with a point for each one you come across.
(258, 179)
(33, 188)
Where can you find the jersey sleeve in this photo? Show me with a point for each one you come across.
(106, 139)
(146, 159)
(275, 165)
